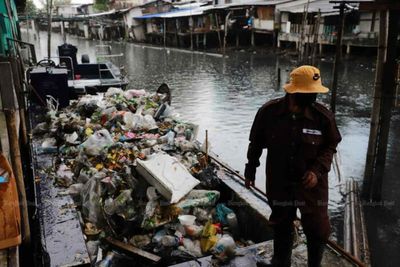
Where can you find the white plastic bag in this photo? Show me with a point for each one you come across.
(113, 91)
(97, 142)
(129, 94)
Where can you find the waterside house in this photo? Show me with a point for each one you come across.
(360, 27)
(219, 24)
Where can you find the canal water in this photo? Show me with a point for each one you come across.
(222, 95)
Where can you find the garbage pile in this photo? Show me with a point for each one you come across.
(138, 175)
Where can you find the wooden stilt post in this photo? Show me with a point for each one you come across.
(252, 38)
(338, 58)
(226, 29)
(218, 30)
(191, 32)
(388, 96)
(63, 32)
(176, 33)
(165, 32)
(8, 98)
(302, 34)
(374, 128)
(237, 39)
(315, 41)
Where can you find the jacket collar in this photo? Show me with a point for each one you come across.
(283, 109)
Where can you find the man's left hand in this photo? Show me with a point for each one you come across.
(310, 180)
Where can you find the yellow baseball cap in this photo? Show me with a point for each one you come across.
(305, 79)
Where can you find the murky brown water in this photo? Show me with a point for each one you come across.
(222, 95)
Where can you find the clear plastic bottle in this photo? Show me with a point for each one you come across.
(233, 223)
(171, 138)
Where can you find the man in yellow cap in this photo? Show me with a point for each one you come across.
(301, 137)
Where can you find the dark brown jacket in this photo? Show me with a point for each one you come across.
(296, 143)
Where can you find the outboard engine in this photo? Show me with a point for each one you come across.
(85, 59)
(67, 54)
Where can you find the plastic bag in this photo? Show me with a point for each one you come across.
(75, 189)
(131, 120)
(192, 247)
(129, 94)
(71, 138)
(64, 176)
(221, 213)
(208, 237)
(94, 145)
(148, 123)
(199, 198)
(91, 197)
(193, 230)
(113, 91)
(225, 248)
(49, 142)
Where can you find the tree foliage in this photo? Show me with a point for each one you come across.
(30, 7)
(101, 5)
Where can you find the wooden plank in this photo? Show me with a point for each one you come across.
(376, 106)
(15, 153)
(8, 96)
(13, 257)
(4, 258)
(9, 257)
(133, 249)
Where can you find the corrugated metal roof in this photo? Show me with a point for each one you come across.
(314, 6)
(178, 13)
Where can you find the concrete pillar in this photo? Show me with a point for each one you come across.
(86, 31)
(237, 39)
(320, 49)
(252, 38)
(205, 40)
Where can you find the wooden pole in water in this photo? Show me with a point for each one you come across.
(338, 58)
(316, 34)
(165, 32)
(226, 30)
(218, 29)
(376, 107)
(191, 32)
(388, 96)
(206, 147)
(303, 26)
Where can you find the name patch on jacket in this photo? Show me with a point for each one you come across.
(312, 131)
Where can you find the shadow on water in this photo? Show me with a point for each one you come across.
(223, 95)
